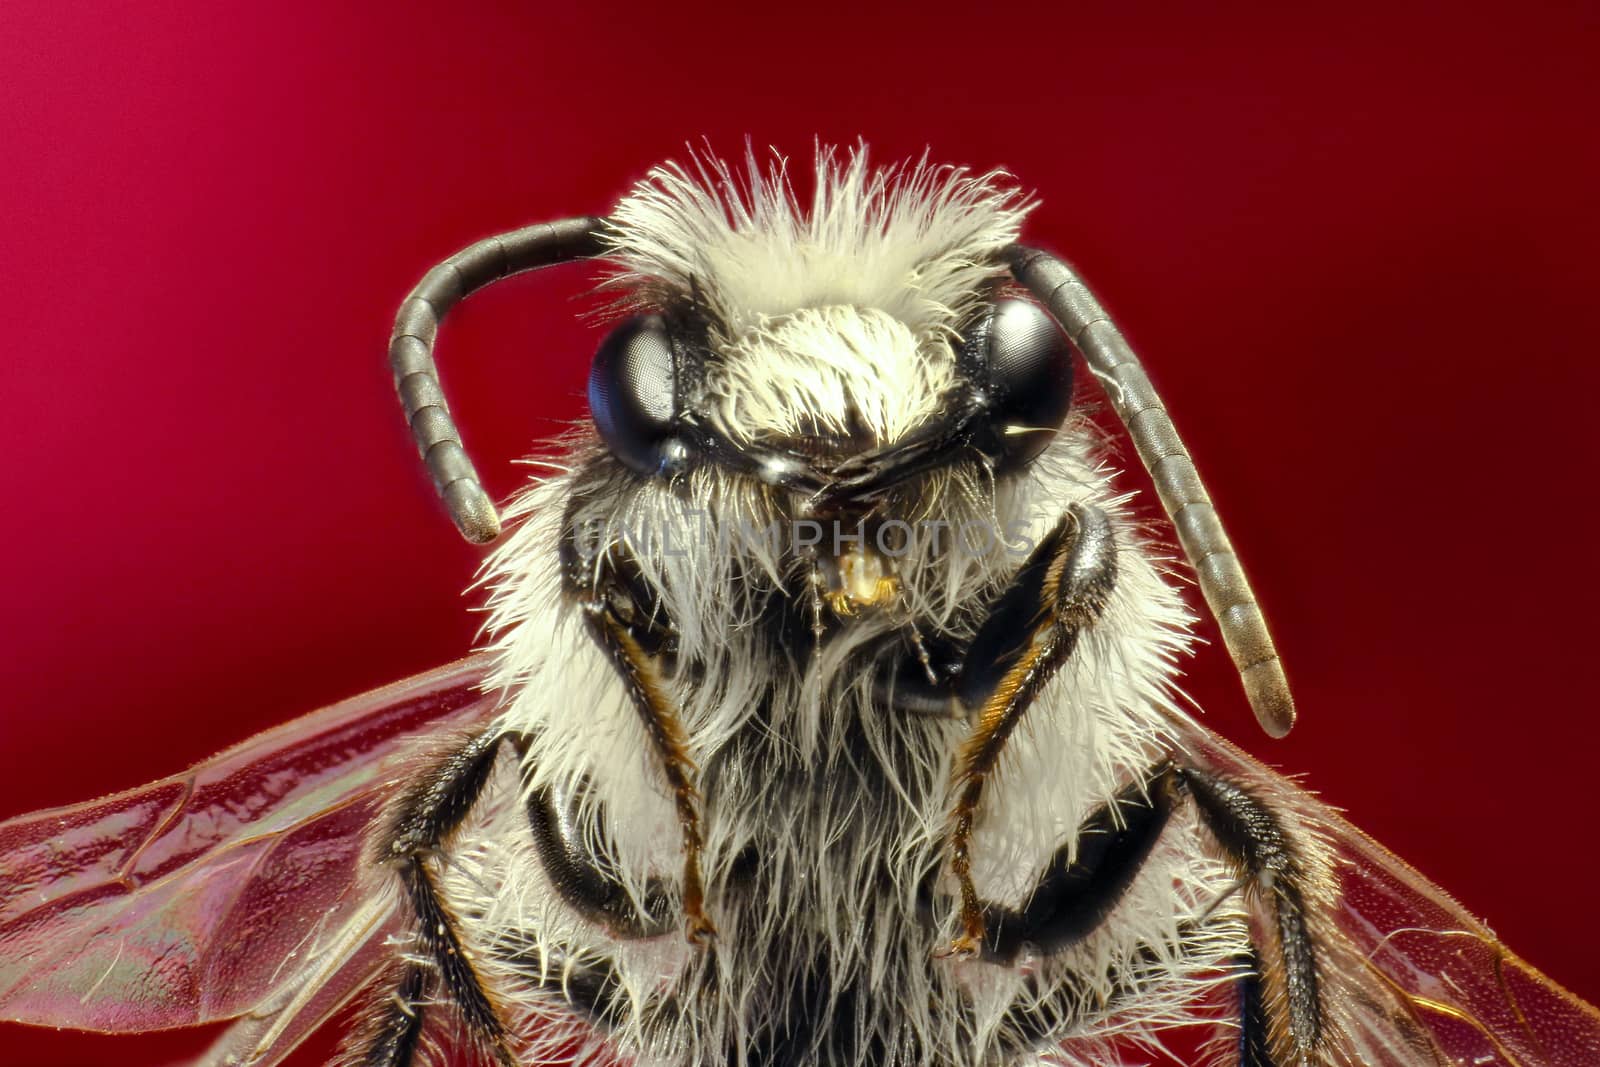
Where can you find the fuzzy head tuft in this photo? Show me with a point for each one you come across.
(832, 316)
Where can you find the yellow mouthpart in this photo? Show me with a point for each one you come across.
(864, 581)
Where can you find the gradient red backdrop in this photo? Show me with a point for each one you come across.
(1358, 255)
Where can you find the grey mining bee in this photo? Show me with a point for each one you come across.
(828, 716)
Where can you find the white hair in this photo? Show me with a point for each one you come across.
(826, 317)
(835, 316)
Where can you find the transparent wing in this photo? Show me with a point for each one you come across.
(234, 890)
(325, 976)
(1413, 979)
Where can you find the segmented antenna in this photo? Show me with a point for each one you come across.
(416, 327)
(1184, 496)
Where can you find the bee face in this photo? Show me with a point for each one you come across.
(827, 383)
(823, 394)
(856, 424)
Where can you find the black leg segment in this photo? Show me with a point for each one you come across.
(1255, 1046)
(1072, 898)
(587, 882)
(421, 826)
(392, 1034)
(1253, 838)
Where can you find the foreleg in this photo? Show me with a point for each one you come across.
(1059, 592)
(622, 618)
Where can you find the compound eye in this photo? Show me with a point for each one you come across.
(1029, 372)
(633, 395)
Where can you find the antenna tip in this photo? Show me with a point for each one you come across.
(472, 511)
(1268, 690)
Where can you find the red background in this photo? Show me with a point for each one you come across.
(1357, 254)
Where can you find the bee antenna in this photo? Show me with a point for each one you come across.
(1183, 495)
(416, 327)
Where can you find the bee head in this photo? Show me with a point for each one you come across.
(838, 351)
(838, 346)
(840, 356)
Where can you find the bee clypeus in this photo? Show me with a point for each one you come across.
(828, 717)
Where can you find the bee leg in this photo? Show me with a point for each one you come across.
(1254, 840)
(421, 826)
(587, 881)
(392, 1034)
(625, 622)
(643, 675)
(1031, 631)
(1254, 1043)
(1074, 895)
